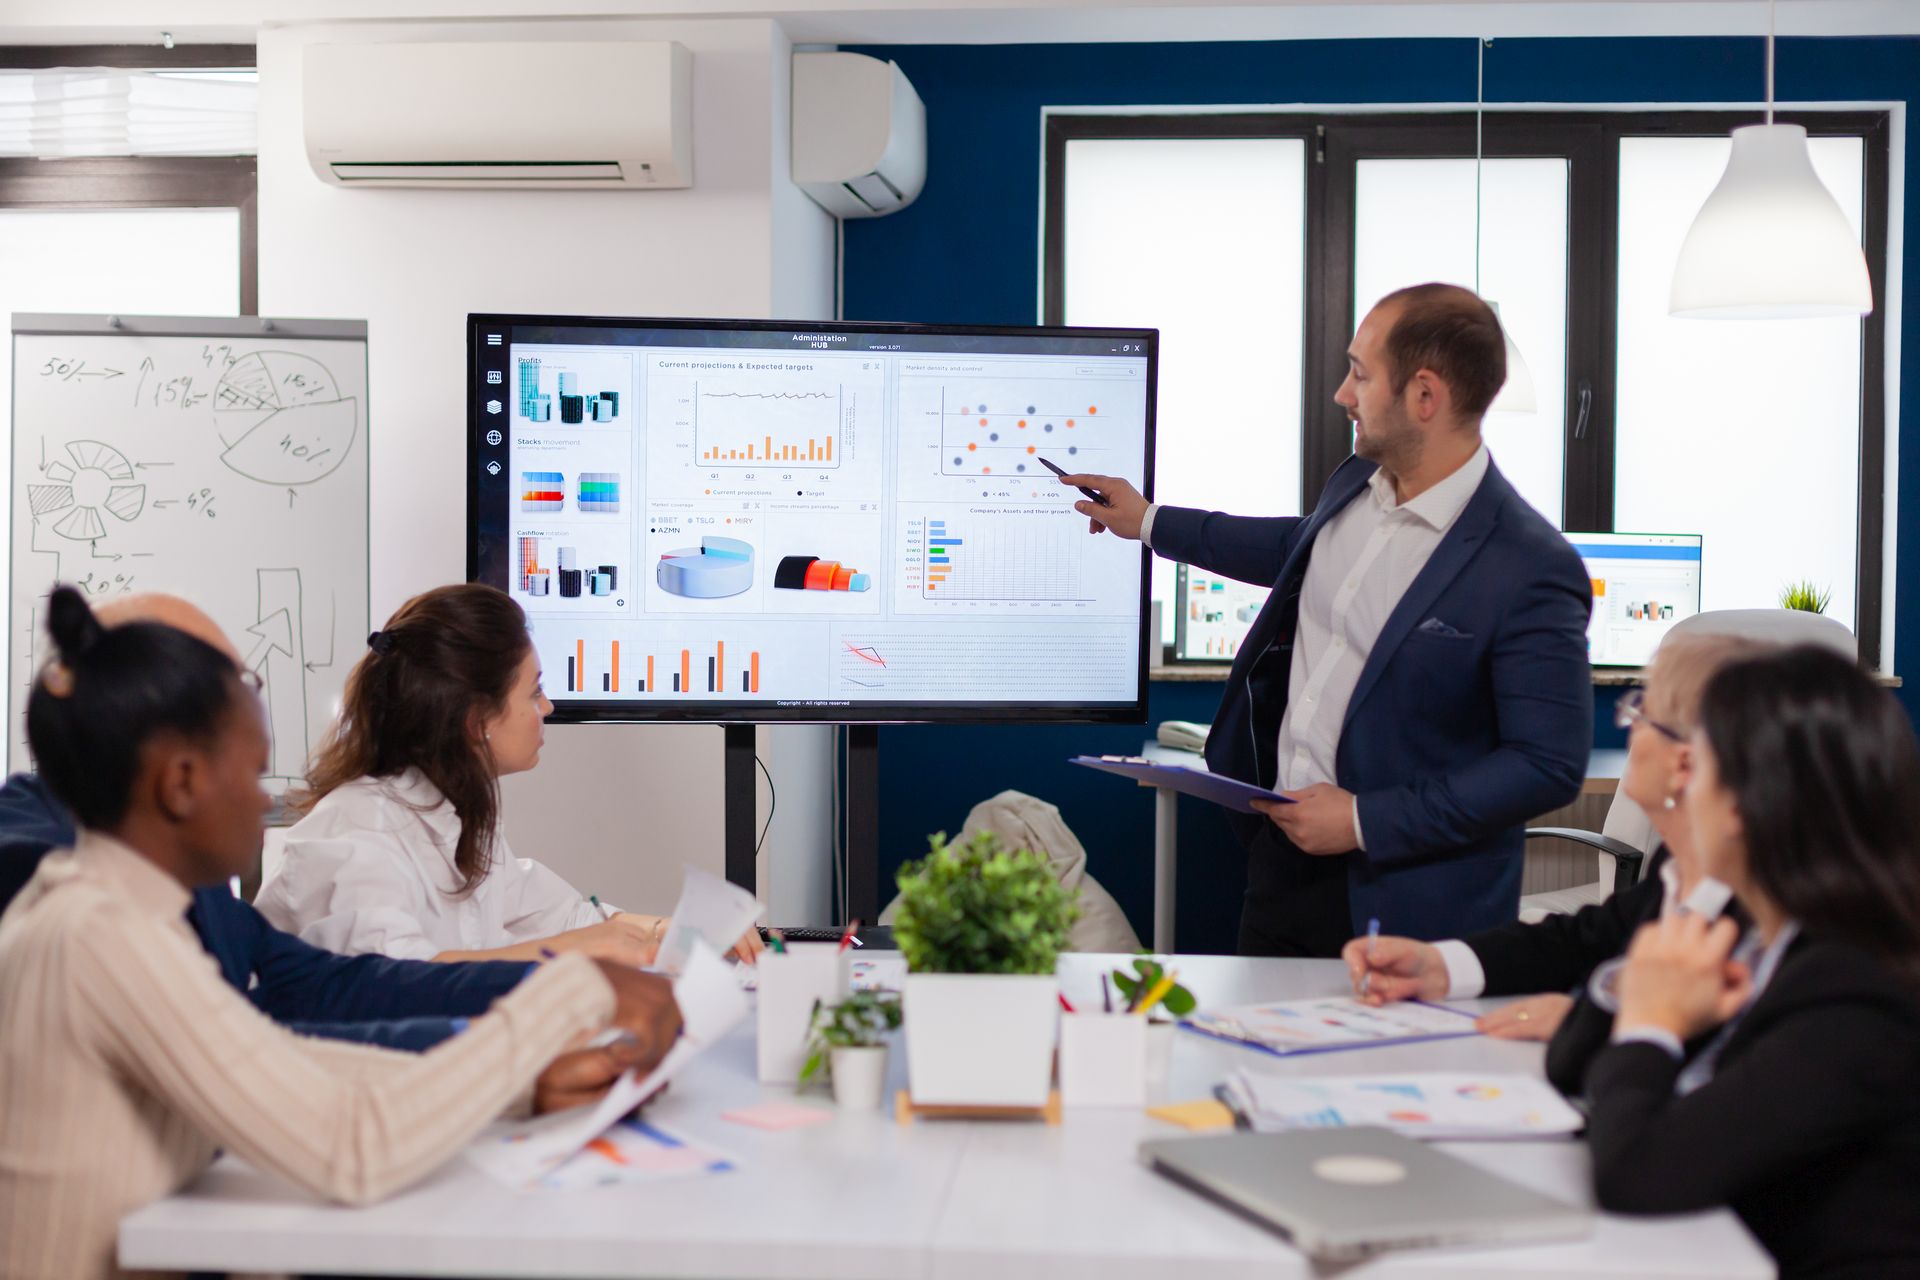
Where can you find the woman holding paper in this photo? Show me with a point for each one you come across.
(126, 1060)
(1798, 1107)
(1559, 953)
(400, 850)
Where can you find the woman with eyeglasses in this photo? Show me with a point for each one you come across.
(1796, 1102)
(1560, 953)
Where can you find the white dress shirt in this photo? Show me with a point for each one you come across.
(1362, 562)
(371, 869)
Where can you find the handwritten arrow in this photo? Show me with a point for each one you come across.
(98, 373)
(332, 612)
(148, 466)
(291, 495)
(94, 544)
(275, 632)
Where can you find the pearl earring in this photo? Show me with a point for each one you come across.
(1670, 803)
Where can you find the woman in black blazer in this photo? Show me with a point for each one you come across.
(1799, 1105)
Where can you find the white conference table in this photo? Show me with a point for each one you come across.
(863, 1197)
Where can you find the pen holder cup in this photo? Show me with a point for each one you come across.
(1103, 1060)
(790, 983)
(1160, 1036)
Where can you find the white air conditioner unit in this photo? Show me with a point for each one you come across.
(547, 115)
(859, 134)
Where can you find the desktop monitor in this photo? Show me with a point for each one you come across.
(1212, 614)
(1643, 583)
(744, 521)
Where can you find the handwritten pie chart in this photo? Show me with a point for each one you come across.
(283, 419)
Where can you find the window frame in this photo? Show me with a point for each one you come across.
(141, 182)
(1590, 142)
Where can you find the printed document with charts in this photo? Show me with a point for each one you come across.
(1420, 1105)
(1326, 1023)
(522, 1152)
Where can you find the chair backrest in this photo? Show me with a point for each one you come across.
(1628, 821)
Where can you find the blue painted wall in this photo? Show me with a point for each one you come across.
(968, 252)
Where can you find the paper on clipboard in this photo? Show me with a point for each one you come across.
(520, 1152)
(1222, 790)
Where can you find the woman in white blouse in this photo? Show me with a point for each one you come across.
(400, 850)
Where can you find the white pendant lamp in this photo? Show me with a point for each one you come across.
(1516, 394)
(1771, 242)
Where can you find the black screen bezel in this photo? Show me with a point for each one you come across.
(716, 711)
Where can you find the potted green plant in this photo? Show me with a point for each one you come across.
(849, 1039)
(982, 928)
(1805, 596)
(1176, 1003)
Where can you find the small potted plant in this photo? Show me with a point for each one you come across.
(982, 928)
(849, 1040)
(1174, 1004)
(1805, 596)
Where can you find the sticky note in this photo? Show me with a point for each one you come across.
(782, 1115)
(1199, 1115)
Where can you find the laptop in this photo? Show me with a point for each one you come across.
(1341, 1195)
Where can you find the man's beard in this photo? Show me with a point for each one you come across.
(1392, 441)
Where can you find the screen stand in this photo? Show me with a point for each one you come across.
(737, 774)
(863, 823)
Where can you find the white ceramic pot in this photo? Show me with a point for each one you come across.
(980, 1039)
(859, 1075)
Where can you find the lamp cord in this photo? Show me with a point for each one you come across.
(1769, 61)
(1479, 128)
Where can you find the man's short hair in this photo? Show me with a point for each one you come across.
(1453, 332)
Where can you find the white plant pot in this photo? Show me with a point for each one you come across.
(980, 1039)
(859, 1075)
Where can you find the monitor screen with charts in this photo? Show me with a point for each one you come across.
(1643, 583)
(728, 520)
(1212, 615)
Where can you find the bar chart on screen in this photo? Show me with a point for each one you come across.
(975, 558)
(609, 667)
(738, 428)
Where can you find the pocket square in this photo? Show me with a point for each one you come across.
(1435, 627)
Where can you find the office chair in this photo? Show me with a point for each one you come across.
(1626, 836)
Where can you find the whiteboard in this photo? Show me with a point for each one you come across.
(222, 460)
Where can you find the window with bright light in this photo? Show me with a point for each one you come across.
(1223, 279)
(1746, 432)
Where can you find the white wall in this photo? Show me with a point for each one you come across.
(614, 809)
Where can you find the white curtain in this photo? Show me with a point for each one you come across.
(100, 111)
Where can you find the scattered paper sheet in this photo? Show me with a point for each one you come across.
(1332, 1022)
(710, 908)
(520, 1152)
(636, 1151)
(775, 1116)
(1434, 1106)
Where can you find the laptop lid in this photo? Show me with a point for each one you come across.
(1343, 1194)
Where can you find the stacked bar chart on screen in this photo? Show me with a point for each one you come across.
(1031, 560)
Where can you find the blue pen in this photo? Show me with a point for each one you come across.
(1373, 936)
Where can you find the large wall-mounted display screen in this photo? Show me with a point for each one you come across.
(757, 520)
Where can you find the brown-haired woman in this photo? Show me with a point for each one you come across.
(400, 850)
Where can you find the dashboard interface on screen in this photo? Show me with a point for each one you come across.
(722, 520)
(1214, 615)
(1643, 583)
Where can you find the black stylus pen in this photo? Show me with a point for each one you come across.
(1098, 497)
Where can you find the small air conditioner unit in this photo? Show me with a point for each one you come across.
(859, 134)
(609, 114)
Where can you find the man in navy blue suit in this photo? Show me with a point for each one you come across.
(1417, 683)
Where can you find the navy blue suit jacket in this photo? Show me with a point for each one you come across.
(1473, 714)
(401, 1004)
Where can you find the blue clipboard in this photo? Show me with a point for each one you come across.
(1227, 792)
